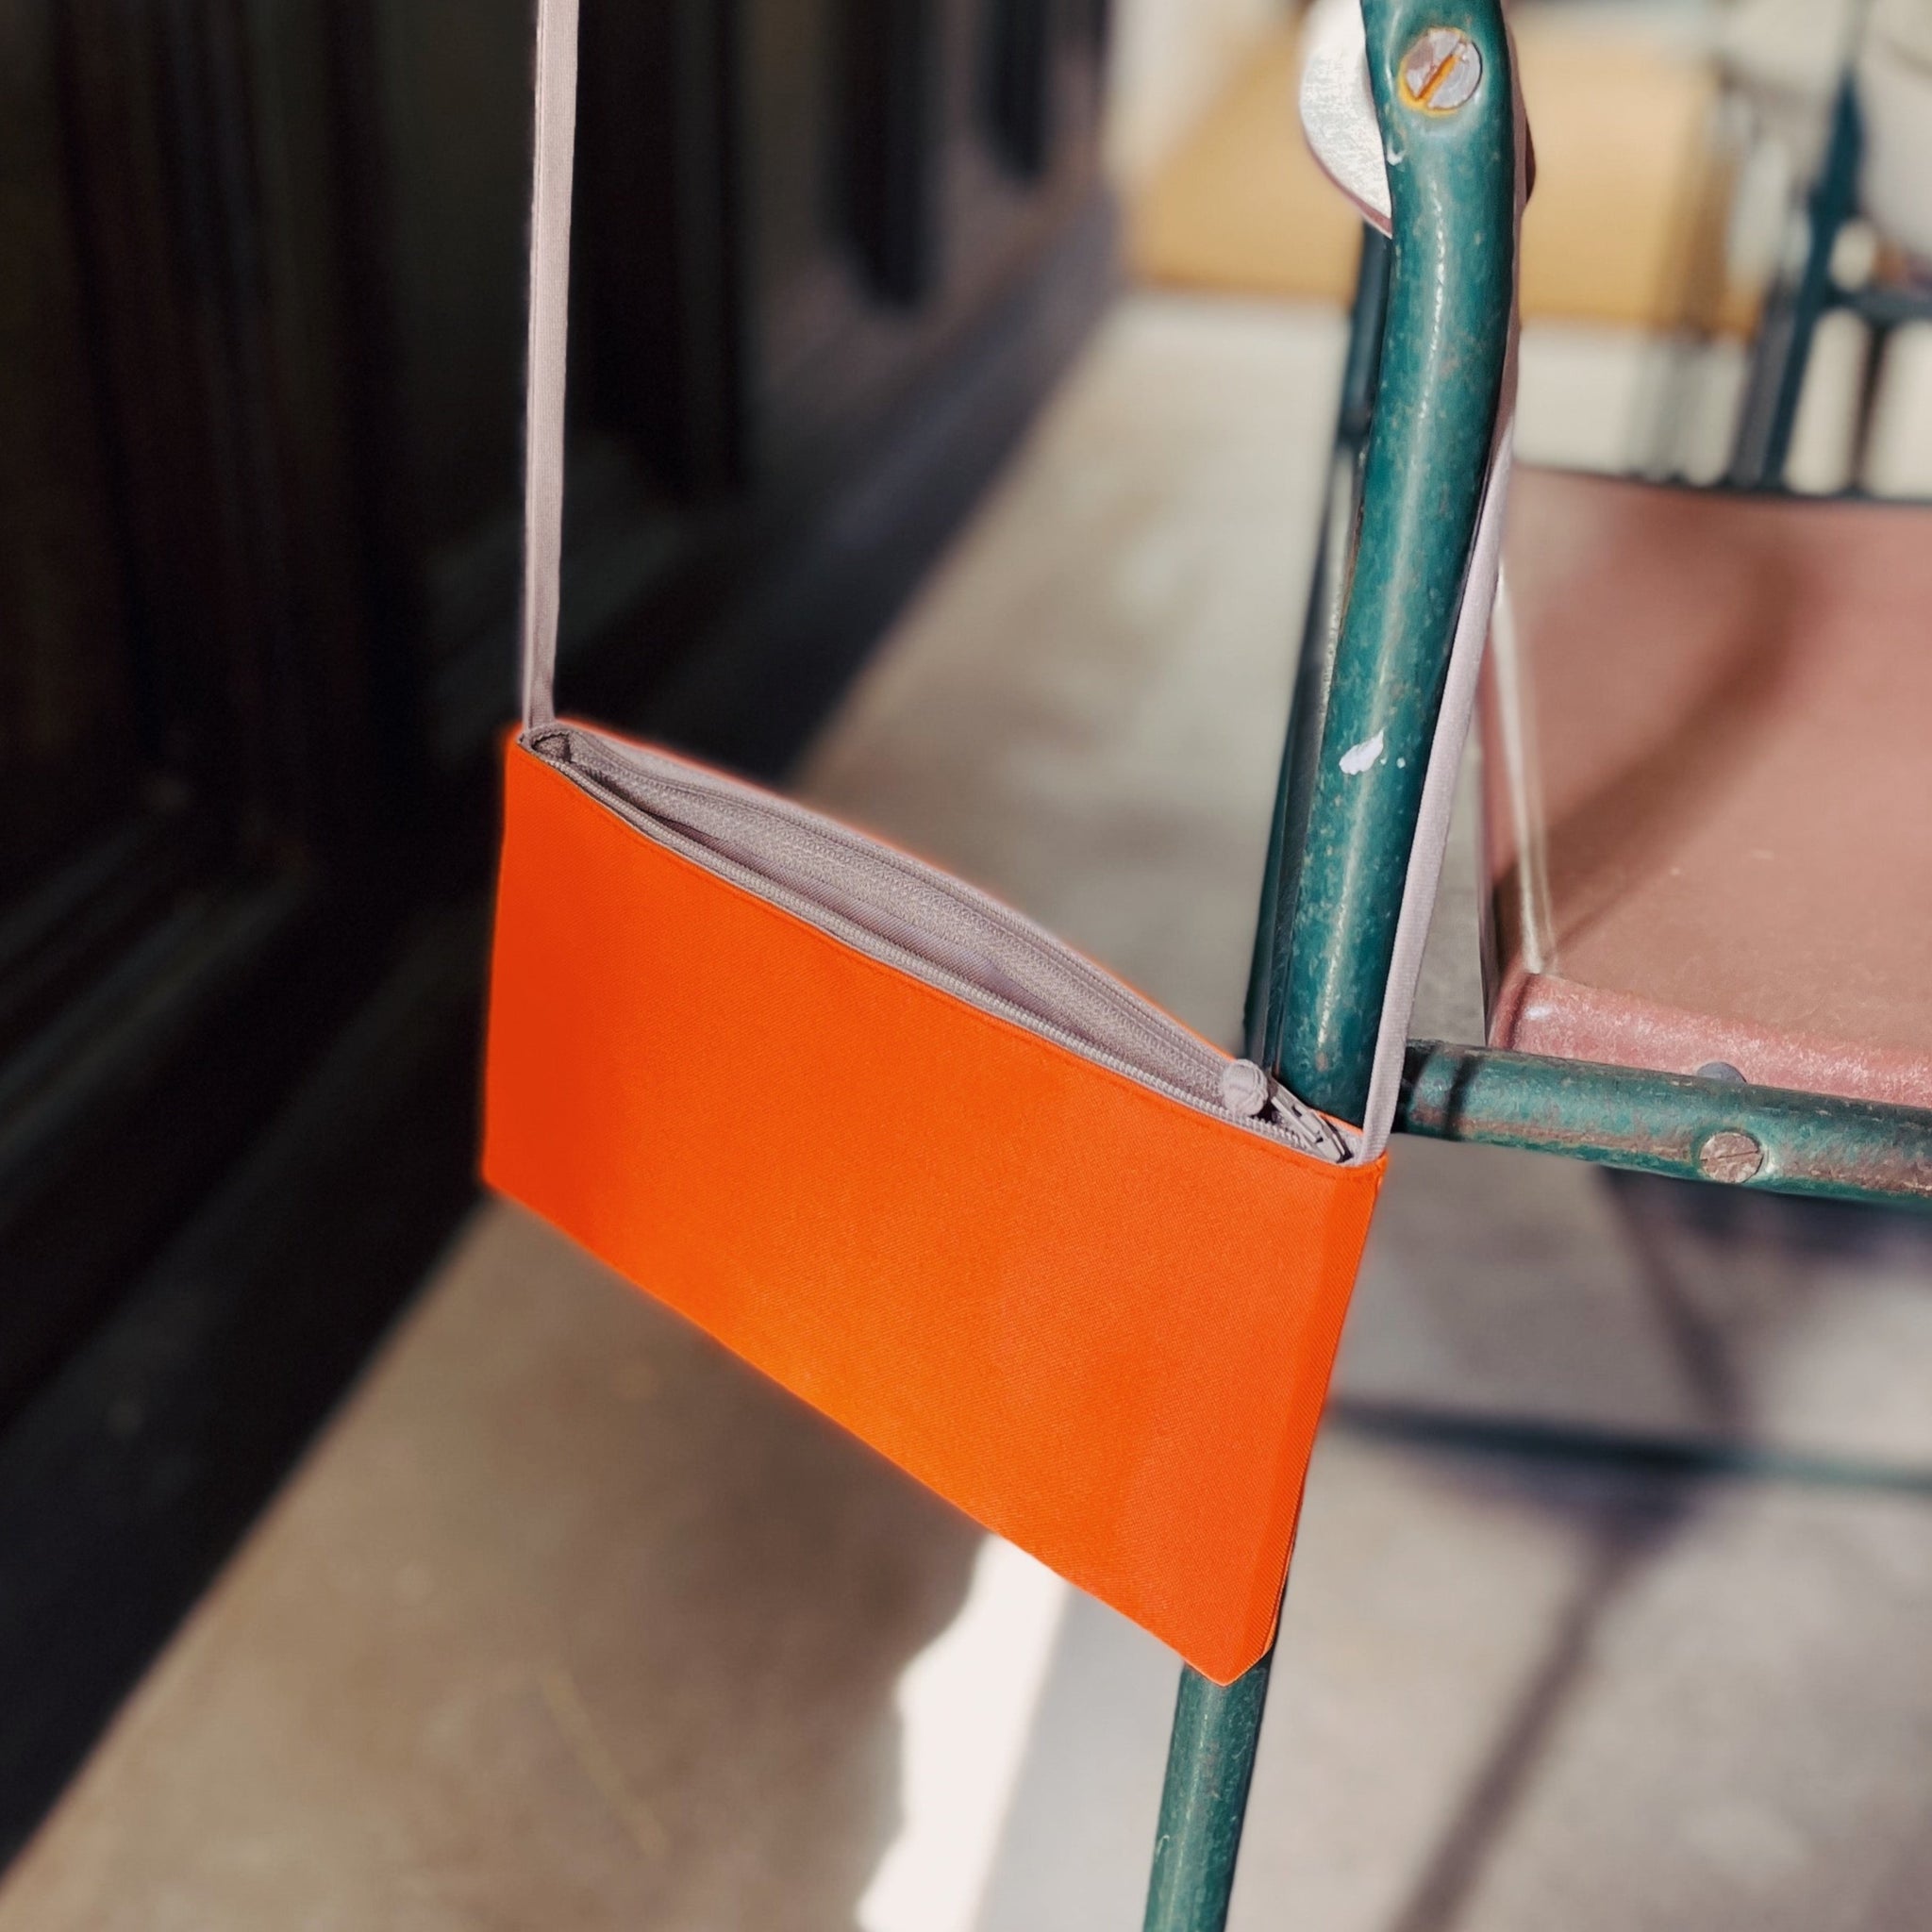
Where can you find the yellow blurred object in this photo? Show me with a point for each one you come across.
(1626, 224)
(1240, 206)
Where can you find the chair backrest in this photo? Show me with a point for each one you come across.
(1360, 846)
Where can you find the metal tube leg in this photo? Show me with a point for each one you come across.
(1210, 1762)
(1447, 321)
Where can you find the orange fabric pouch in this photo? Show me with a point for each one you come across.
(900, 1149)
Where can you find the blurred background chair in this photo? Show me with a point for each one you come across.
(1859, 243)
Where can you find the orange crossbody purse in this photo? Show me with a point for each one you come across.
(964, 1191)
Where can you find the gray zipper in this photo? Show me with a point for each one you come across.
(921, 920)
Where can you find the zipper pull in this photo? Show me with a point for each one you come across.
(1249, 1095)
(1244, 1090)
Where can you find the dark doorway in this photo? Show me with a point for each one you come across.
(262, 313)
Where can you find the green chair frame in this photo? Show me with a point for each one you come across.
(1421, 387)
(1802, 297)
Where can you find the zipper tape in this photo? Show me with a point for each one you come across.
(922, 920)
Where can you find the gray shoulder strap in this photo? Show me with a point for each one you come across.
(556, 146)
(1334, 116)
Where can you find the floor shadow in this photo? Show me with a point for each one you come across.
(1627, 1536)
(1624, 1538)
(569, 1619)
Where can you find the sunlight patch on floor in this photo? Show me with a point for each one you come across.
(966, 1706)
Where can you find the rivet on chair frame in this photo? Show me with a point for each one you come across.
(1732, 1155)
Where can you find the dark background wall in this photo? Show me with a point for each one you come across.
(262, 310)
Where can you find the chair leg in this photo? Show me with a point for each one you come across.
(1877, 342)
(1777, 385)
(1210, 1762)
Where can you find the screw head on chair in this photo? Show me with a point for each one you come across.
(1442, 70)
(1732, 1156)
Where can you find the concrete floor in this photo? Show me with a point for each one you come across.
(570, 1624)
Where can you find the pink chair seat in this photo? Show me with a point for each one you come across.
(1708, 749)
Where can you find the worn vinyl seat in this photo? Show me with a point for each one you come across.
(1708, 739)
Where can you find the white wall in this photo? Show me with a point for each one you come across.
(1170, 57)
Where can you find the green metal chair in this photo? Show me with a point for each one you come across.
(1803, 294)
(1427, 372)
